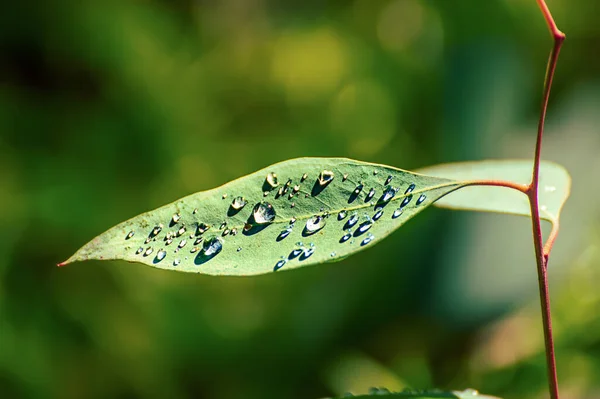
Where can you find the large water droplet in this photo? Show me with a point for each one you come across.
(352, 221)
(406, 200)
(176, 262)
(325, 177)
(279, 264)
(397, 213)
(342, 215)
(388, 194)
(148, 251)
(364, 227)
(410, 188)
(370, 195)
(272, 180)
(129, 235)
(156, 230)
(212, 246)
(378, 214)
(284, 234)
(295, 253)
(263, 213)
(160, 255)
(176, 217)
(345, 237)
(238, 203)
(421, 199)
(314, 224)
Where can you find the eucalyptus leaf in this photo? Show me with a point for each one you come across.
(554, 187)
(466, 394)
(295, 213)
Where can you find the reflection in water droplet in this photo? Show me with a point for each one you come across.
(148, 251)
(410, 188)
(238, 203)
(176, 262)
(353, 220)
(397, 213)
(378, 214)
(388, 194)
(342, 215)
(325, 177)
(406, 200)
(279, 264)
(129, 235)
(212, 246)
(272, 180)
(139, 250)
(182, 243)
(263, 213)
(388, 180)
(176, 217)
(365, 226)
(160, 255)
(315, 224)
(421, 199)
(345, 237)
(370, 195)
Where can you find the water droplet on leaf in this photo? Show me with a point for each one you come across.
(314, 224)
(139, 250)
(345, 237)
(397, 213)
(406, 200)
(388, 180)
(410, 188)
(263, 213)
(212, 246)
(342, 215)
(160, 255)
(182, 243)
(279, 264)
(176, 217)
(129, 235)
(238, 203)
(364, 226)
(388, 194)
(272, 180)
(148, 251)
(352, 221)
(325, 177)
(370, 195)
(421, 199)
(176, 262)
(378, 214)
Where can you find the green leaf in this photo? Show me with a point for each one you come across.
(295, 213)
(466, 394)
(554, 187)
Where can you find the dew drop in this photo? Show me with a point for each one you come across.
(325, 177)
(388, 180)
(160, 255)
(304, 177)
(353, 220)
(148, 251)
(342, 215)
(238, 203)
(279, 264)
(420, 199)
(239, 249)
(314, 224)
(223, 225)
(370, 195)
(129, 235)
(226, 232)
(263, 213)
(272, 180)
(212, 246)
(295, 253)
(284, 234)
(202, 228)
(367, 240)
(224, 196)
(397, 213)
(169, 241)
(139, 250)
(156, 230)
(181, 231)
(176, 262)
(378, 214)
(147, 240)
(233, 231)
(296, 189)
(195, 249)
(198, 241)
(182, 243)
(388, 194)
(332, 254)
(308, 252)
(176, 217)
(406, 200)
(365, 226)
(345, 177)
(292, 220)
(410, 188)
(345, 237)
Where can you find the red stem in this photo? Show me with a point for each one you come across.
(542, 252)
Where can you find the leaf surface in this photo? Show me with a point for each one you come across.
(295, 213)
(554, 187)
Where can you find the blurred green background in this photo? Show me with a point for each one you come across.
(111, 108)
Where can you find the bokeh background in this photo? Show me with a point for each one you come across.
(111, 108)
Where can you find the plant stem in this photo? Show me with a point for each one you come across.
(542, 252)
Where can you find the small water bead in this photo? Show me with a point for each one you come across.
(364, 226)
(308, 252)
(291, 195)
(239, 249)
(370, 195)
(226, 232)
(272, 180)
(265, 193)
(388, 194)
(238, 203)
(156, 230)
(224, 196)
(129, 235)
(388, 180)
(293, 205)
(233, 231)
(406, 200)
(212, 246)
(374, 173)
(176, 217)
(202, 228)
(169, 241)
(284, 234)
(332, 254)
(195, 211)
(353, 220)
(292, 220)
(263, 213)
(397, 213)
(280, 263)
(342, 215)
(195, 249)
(421, 199)
(281, 191)
(325, 177)
(223, 225)
(182, 243)
(198, 240)
(378, 214)
(181, 231)
(345, 237)
(160, 255)
(315, 224)
(296, 189)
(312, 244)
(367, 240)
(149, 250)
(410, 188)
(139, 250)
(176, 262)
(358, 188)
(295, 252)
(345, 177)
